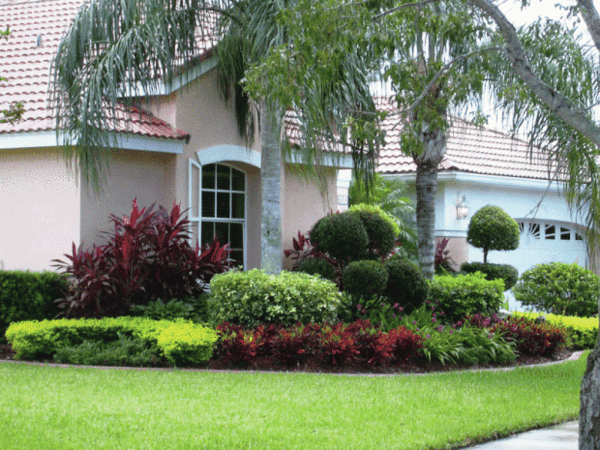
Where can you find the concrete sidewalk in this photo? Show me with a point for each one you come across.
(559, 437)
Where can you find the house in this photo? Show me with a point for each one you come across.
(482, 167)
(182, 146)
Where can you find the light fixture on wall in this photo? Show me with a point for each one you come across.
(462, 210)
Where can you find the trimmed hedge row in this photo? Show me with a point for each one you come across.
(582, 331)
(29, 296)
(179, 342)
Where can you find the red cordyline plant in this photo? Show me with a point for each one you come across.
(147, 257)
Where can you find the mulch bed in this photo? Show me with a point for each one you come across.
(6, 353)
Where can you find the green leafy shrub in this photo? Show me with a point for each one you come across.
(582, 332)
(317, 266)
(187, 344)
(29, 296)
(193, 308)
(467, 294)
(253, 297)
(365, 278)
(42, 340)
(406, 284)
(506, 272)
(341, 236)
(559, 288)
(381, 229)
(124, 352)
(491, 228)
(377, 310)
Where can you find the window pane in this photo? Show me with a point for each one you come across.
(237, 180)
(208, 176)
(238, 257)
(565, 234)
(236, 233)
(222, 231)
(237, 207)
(550, 232)
(223, 205)
(223, 177)
(578, 237)
(534, 230)
(208, 204)
(208, 232)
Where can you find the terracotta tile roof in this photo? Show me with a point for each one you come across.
(469, 149)
(25, 58)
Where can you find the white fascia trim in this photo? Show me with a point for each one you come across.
(340, 161)
(178, 82)
(221, 153)
(489, 180)
(451, 233)
(47, 139)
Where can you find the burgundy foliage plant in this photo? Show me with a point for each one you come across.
(148, 256)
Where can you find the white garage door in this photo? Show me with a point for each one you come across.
(541, 242)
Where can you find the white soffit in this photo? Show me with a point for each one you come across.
(47, 139)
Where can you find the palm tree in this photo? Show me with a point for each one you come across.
(118, 49)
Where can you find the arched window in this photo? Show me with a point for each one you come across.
(222, 206)
(549, 231)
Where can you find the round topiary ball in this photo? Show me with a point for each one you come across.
(492, 229)
(406, 284)
(317, 266)
(382, 234)
(559, 288)
(364, 278)
(508, 273)
(341, 236)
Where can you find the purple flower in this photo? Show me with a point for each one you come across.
(433, 319)
(393, 316)
(440, 328)
(427, 302)
(433, 308)
(382, 305)
(396, 305)
(358, 306)
(427, 336)
(414, 322)
(401, 309)
(451, 331)
(459, 323)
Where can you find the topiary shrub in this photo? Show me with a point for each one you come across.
(341, 236)
(406, 284)
(254, 297)
(491, 228)
(461, 295)
(317, 266)
(506, 272)
(559, 288)
(381, 229)
(365, 278)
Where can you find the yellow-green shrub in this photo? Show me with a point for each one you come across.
(187, 343)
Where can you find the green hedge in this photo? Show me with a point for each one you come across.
(582, 331)
(254, 297)
(179, 342)
(460, 295)
(29, 296)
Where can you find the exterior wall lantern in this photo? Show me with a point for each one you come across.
(462, 210)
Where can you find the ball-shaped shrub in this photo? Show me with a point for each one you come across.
(559, 288)
(492, 229)
(254, 297)
(364, 278)
(341, 236)
(506, 272)
(382, 234)
(406, 284)
(317, 266)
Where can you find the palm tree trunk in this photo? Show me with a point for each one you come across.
(271, 174)
(589, 409)
(434, 146)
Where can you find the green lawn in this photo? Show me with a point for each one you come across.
(84, 408)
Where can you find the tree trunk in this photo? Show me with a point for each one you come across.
(271, 169)
(589, 409)
(434, 146)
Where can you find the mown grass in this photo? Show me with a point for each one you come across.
(84, 408)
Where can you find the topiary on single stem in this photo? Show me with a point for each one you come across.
(380, 229)
(493, 229)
